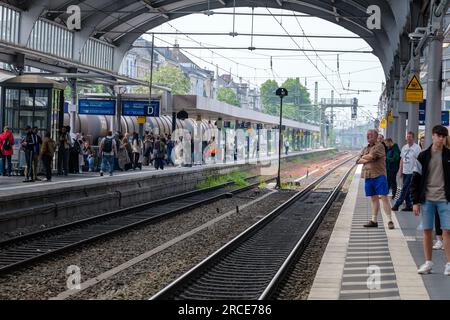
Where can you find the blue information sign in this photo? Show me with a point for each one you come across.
(445, 118)
(97, 107)
(422, 108)
(422, 112)
(141, 108)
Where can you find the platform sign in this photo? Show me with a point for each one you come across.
(445, 118)
(422, 107)
(141, 108)
(414, 91)
(422, 110)
(97, 107)
(142, 120)
(383, 123)
(390, 118)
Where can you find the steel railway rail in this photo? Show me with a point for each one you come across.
(19, 251)
(252, 265)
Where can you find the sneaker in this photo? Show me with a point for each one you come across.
(447, 269)
(391, 225)
(394, 208)
(438, 245)
(371, 224)
(426, 268)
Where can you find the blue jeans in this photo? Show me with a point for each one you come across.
(89, 162)
(432, 208)
(405, 195)
(5, 160)
(107, 160)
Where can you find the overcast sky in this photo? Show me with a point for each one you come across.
(364, 71)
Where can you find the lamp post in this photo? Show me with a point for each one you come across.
(281, 92)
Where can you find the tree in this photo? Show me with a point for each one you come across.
(227, 95)
(298, 94)
(269, 100)
(298, 103)
(168, 76)
(97, 88)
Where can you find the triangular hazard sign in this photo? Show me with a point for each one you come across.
(414, 84)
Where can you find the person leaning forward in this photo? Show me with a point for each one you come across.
(373, 159)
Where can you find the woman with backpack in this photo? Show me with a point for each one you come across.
(6, 151)
(47, 153)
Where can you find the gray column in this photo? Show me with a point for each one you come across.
(115, 124)
(396, 106)
(74, 101)
(434, 90)
(401, 130)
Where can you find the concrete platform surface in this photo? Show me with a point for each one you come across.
(376, 263)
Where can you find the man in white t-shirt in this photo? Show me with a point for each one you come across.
(408, 156)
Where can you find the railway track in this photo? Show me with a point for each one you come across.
(20, 251)
(253, 264)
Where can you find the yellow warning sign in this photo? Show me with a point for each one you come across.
(414, 91)
(383, 123)
(141, 120)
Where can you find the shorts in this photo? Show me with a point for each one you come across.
(376, 186)
(428, 211)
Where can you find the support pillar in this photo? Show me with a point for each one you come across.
(401, 130)
(434, 89)
(396, 105)
(74, 101)
(116, 123)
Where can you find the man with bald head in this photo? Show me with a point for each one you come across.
(373, 159)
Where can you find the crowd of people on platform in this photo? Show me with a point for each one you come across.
(75, 154)
(424, 174)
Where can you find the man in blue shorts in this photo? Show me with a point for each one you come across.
(373, 158)
(430, 188)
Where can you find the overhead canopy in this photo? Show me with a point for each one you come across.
(121, 22)
(33, 81)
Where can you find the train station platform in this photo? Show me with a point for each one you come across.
(84, 195)
(376, 263)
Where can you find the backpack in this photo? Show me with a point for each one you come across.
(7, 144)
(107, 145)
(76, 146)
